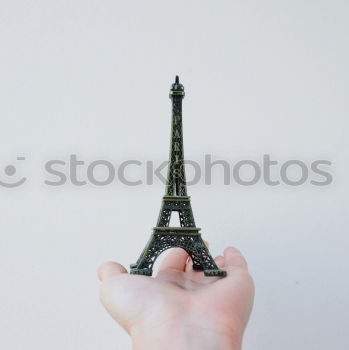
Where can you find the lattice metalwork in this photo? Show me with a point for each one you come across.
(186, 236)
(190, 241)
(180, 205)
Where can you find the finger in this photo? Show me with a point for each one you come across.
(189, 266)
(110, 269)
(220, 261)
(175, 259)
(234, 258)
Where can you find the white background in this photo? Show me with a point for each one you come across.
(92, 77)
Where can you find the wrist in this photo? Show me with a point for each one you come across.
(183, 336)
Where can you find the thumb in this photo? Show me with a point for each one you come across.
(114, 292)
(110, 269)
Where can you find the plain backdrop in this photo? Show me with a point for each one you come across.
(91, 78)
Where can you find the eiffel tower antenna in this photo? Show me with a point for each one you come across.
(176, 199)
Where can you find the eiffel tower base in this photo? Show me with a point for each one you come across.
(187, 238)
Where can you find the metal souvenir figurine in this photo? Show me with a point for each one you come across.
(187, 236)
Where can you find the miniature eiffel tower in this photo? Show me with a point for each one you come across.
(186, 236)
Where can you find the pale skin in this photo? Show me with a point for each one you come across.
(180, 308)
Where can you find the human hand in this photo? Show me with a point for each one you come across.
(181, 308)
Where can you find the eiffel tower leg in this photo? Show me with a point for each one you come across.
(144, 264)
(191, 243)
(207, 263)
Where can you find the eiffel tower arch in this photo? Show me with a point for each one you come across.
(187, 236)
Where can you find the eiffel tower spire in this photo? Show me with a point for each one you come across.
(176, 184)
(187, 236)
